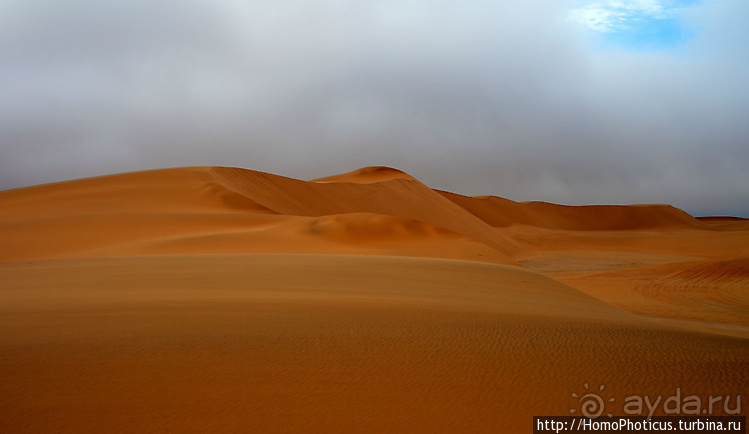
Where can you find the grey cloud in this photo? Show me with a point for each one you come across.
(475, 97)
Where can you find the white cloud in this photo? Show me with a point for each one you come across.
(617, 15)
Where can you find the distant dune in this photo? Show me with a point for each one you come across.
(500, 212)
(215, 299)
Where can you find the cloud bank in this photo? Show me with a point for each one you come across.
(508, 98)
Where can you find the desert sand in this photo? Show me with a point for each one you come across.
(214, 299)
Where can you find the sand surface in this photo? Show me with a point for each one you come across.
(228, 300)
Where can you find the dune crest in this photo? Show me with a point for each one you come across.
(367, 175)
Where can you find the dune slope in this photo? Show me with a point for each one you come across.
(397, 197)
(500, 212)
(710, 295)
(315, 343)
(213, 299)
(222, 210)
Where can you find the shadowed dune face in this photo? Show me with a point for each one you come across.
(216, 299)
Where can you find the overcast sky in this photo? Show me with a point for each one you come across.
(568, 101)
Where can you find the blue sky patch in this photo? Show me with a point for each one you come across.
(636, 24)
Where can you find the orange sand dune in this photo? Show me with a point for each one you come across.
(697, 278)
(358, 233)
(711, 295)
(397, 197)
(725, 223)
(500, 212)
(214, 210)
(367, 175)
(691, 244)
(314, 343)
(218, 300)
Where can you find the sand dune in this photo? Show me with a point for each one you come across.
(710, 272)
(215, 299)
(725, 223)
(214, 210)
(710, 296)
(367, 175)
(399, 197)
(500, 212)
(311, 343)
(689, 244)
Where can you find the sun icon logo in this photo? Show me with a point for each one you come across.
(591, 403)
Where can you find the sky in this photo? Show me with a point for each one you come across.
(566, 101)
